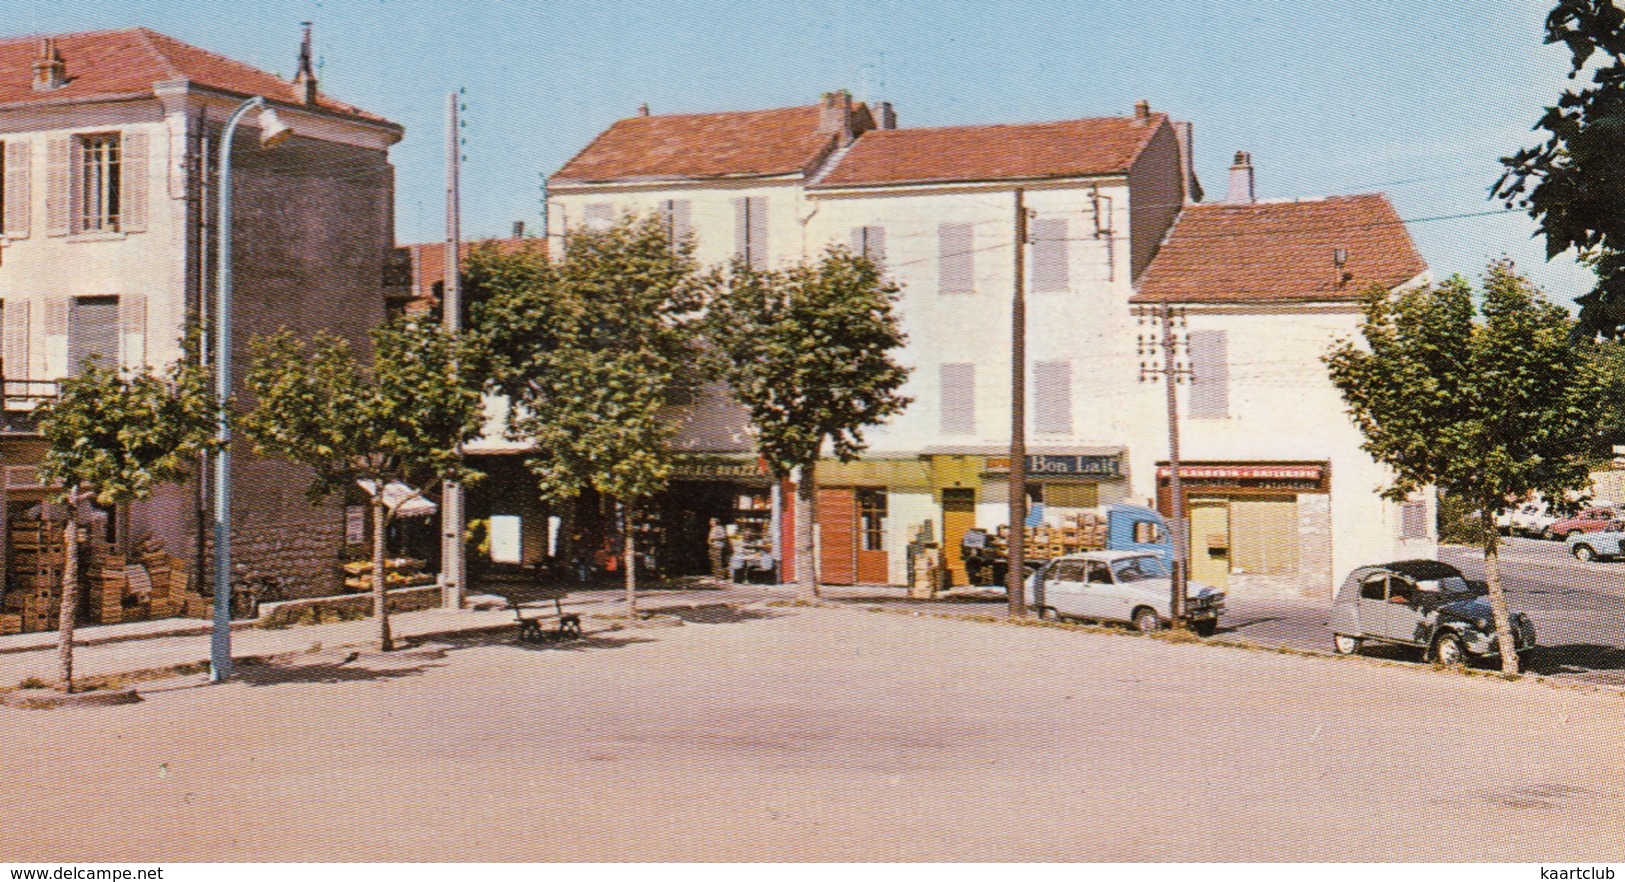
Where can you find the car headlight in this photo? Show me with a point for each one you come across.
(1484, 625)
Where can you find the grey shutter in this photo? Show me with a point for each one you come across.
(1413, 520)
(870, 242)
(742, 229)
(958, 399)
(53, 360)
(132, 321)
(58, 186)
(1210, 375)
(758, 232)
(16, 210)
(677, 215)
(955, 268)
(1052, 398)
(134, 178)
(599, 215)
(1049, 255)
(93, 331)
(14, 341)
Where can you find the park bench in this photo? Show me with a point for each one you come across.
(527, 592)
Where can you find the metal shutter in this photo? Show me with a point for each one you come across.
(93, 331)
(133, 180)
(958, 398)
(956, 270)
(1052, 396)
(16, 209)
(1050, 255)
(1210, 375)
(1264, 536)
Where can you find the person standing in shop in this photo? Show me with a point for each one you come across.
(718, 542)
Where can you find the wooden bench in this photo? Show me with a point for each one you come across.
(522, 593)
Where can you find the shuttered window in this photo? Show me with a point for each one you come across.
(1413, 520)
(1052, 396)
(1210, 375)
(98, 184)
(599, 215)
(870, 242)
(956, 269)
(1049, 255)
(15, 157)
(958, 398)
(1264, 536)
(93, 331)
(750, 230)
(676, 216)
(14, 341)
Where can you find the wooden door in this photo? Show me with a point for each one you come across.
(1210, 542)
(874, 564)
(958, 516)
(837, 536)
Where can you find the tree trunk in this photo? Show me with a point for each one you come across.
(70, 594)
(380, 581)
(1498, 597)
(806, 510)
(629, 561)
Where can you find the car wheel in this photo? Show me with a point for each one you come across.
(1448, 650)
(1206, 627)
(1048, 614)
(1547, 534)
(1346, 645)
(1146, 620)
(1584, 553)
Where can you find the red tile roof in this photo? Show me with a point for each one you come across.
(429, 258)
(129, 61)
(703, 145)
(1281, 251)
(1071, 148)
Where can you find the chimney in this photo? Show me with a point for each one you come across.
(1187, 166)
(1142, 110)
(885, 117)
(50, 71)
(305, 79)
(643, 109)
(835, 115)
(1241, 180)
(519, 229)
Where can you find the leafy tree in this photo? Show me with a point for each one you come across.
(113, 437)
(1488, 404)
(586, 350)
(808, 351)
(401, 419)
(1573, 184)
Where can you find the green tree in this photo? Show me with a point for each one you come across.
(1489, 404)
(113, 437)
(1573, 183)
(400, 419)
(586, 350)
(809, 351)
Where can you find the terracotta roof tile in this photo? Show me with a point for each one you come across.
(429, 258)
(1071, 148)
(1281, 251)
(702, 145)
(129, 61)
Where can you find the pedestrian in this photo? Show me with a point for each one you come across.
(718, 542)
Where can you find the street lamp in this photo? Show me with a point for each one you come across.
(273, 131)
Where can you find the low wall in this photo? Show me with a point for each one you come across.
(340, 607)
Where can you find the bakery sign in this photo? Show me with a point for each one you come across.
(1062, 465)
(1295, 476)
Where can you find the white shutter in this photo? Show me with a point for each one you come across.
(1049, 255)
(53, 360)
(1052, 398)
(958, 398)
(870, 242)
(955, 266)
(758, 231)
(16, 210)
(14, 341)
(134, 179)
(132, 321)
(676, 214)
(1210, 375)
(58, 186)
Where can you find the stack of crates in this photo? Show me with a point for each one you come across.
(34, 574)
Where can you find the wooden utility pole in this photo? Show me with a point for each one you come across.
(453, 567)
(1015, 576)
(1170, 319)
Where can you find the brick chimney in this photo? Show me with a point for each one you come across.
(885, 116)
(835, 115)
(305, 79)
(1241, 180)
(50, 71)
(1142, 110)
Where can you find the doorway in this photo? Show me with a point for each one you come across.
(958, 517)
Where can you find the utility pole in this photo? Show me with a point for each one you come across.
(1171, 320)
(1016, 553)
(453, 568)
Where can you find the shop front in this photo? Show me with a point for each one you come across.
(869, 510)
(738, 493)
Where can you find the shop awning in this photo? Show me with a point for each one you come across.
(401, 500)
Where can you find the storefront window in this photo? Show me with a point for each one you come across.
(872, 514)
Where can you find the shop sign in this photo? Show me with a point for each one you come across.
(1244, 473)
(1062, 465)
(734, 470)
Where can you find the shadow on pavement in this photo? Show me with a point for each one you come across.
(718, 614)
(510, 639)
(1572, 658)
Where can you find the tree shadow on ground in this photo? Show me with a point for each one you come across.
(1570, 658)
(719, 614)
(510, 638)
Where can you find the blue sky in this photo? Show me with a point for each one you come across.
(1416, 99)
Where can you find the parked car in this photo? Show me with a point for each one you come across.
(1598, 544)
(1529, 519)
(1422, 603)
(1119, 586)
(1589, 520)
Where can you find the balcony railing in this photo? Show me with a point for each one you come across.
(19, 401)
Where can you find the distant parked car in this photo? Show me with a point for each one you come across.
(1599, 543)
(1119, 586)
(1589, 520)
(1422, 603)
(1529, 519)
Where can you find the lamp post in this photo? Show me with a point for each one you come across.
(272, 133)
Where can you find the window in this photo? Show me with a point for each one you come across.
(675, 216)
(99, 184)
(599, 215)
(955, 267)
(1097, 573)
(1374, 588)
(93, 331)
(870, 242)
(1413, 520)
(872, 516)
(958, 398)
(1066, 571)
(1052, 397)
(505, 539)
(1049, 255)
(1210, 375)
(750, 231)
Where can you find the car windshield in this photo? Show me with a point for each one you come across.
(1133, 569)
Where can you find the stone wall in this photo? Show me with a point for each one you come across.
(304, 554)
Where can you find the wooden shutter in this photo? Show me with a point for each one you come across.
(758, 231)
(958, 398)
(837, 536)
(1413, 520)
(93, 330)
(132, 322)
(600, 215)
(58, 186)
(53, 360)
(134, 179)
(1052, 396)
(1264, 536)
(677, 215)
(16, 210)
(1049, 255)
(870, 242)
(955, 266)
(1210, 375)
(14, 341)
(742, 229)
